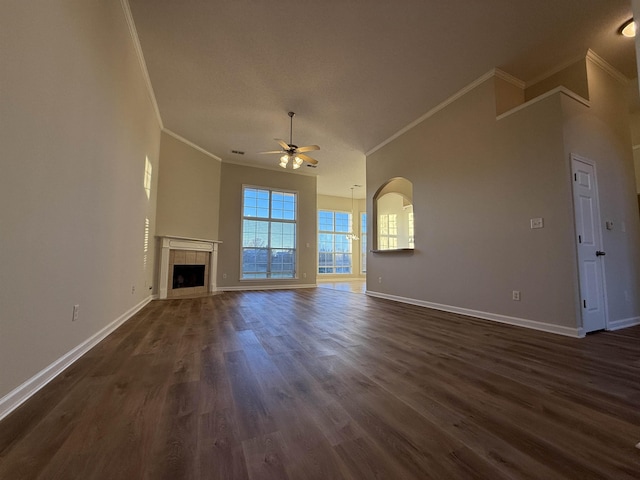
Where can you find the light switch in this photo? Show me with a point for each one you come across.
(537, 223)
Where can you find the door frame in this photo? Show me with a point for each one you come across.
(602, 267)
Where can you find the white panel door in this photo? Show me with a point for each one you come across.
(590, 254)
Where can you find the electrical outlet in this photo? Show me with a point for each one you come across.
(379, 279)
(224, 275)
(304, 275)
(133, 289)
(537, 223)
(76, 309)
(515, 295)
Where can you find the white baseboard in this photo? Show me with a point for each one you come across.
(495, 317)
(22, 393)
(623, 323)
(240, 288)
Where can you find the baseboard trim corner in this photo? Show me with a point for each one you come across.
(26, 390)
(495, 317)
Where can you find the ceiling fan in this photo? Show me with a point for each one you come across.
(293, 152)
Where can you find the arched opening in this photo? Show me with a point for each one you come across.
(393, 220)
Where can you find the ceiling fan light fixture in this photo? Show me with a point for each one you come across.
(293, 152)
(628, 28)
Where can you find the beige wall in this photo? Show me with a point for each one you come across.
(76, 126)
(508, 95)
(188, 191)
(574, 77)
(342, 204)
(601, 133)
(477, 182)
(634, 121)
(233, 178)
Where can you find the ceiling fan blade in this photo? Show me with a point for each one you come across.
(308, 159)
(282, 143)
(272, 151)
(308, 148)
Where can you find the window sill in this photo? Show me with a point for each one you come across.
(394, 250)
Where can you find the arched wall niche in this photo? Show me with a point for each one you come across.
(393, 220)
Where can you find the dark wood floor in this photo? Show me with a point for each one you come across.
(325, 384)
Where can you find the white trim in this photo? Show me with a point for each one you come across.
(544, 96)
(554, 70)
(507, 77)
(519, 322)
(487, 76)
(143, 65)
(191, 144)
(623, 323)
(22, 393)
(607, 67)
(241, 288)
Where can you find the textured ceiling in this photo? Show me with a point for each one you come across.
(225, 73)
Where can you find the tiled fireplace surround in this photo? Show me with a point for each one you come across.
(187, 251)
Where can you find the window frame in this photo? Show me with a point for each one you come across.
(335, 233)
(270, 220)
(363, 243)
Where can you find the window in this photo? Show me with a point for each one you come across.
(334, 250)
(388, 231)
(268, 233)
(363, 242)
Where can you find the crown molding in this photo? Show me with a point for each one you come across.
(507, 77)
(140, 56)
(191, 144)
(607, 67)
(539, 98)
(554, 70)
(460, 93)
(589, 55)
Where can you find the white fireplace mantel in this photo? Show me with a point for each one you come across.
(168, 243)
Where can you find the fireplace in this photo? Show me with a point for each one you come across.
(187, 267)
(187, 276)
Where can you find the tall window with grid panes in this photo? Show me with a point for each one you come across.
(334, 249)
(268, 233)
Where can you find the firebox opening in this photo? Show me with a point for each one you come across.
(185, 276)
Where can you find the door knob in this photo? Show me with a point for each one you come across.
(600, 254)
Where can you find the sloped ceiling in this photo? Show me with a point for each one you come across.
(225, 73)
